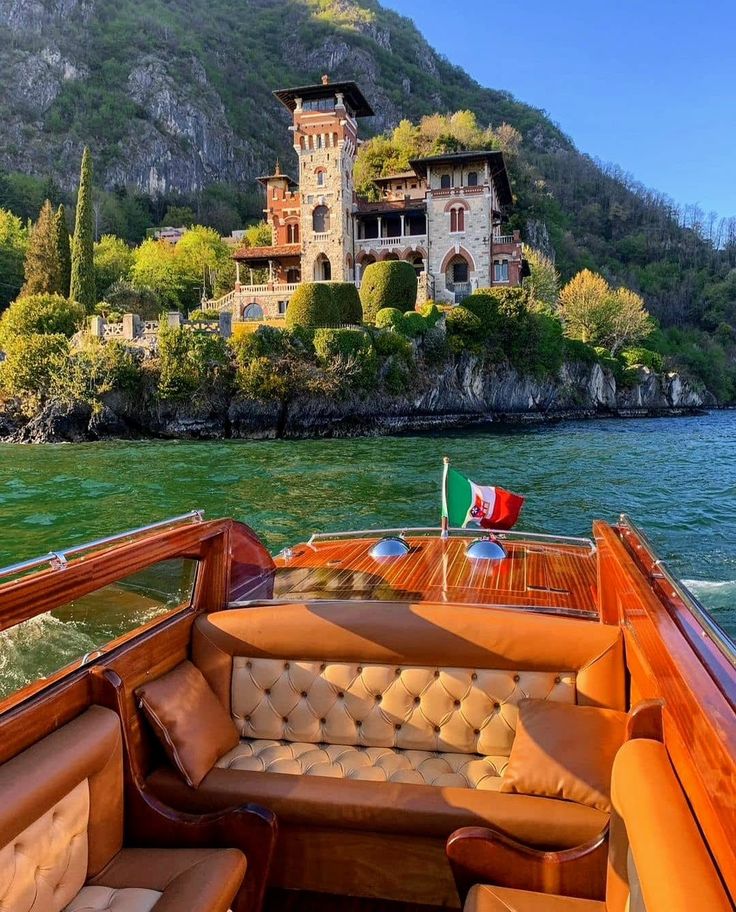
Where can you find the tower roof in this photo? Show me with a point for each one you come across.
(354, 98)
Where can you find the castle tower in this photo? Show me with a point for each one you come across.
(325, 132)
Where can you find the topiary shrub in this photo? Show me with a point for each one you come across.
(389, 343)
(388, 317)
(412, 324)
(431, 313)
(464, 330)
(312, 305)
(41, 313)
(643, 357)
(392, 283)
(485, 306)
(334, 343)
(347, 300)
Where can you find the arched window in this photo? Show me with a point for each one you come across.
(292, 234)
(292, 276)
(457, 219)
(321, 219)
(418, 263)
(322, 269)
(320, 178)
(472, 179)
(445, 182)
(253, 312)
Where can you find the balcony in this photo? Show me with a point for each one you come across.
(383, 243)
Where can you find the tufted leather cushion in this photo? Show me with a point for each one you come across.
(565, 752)
(375, 764)
(106, 899)
(464, 710)
(188, 719)
(420, 635)
(45, 865)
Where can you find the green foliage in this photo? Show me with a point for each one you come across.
(388, 317)
(13, 244)
(347, 301)
(486, 307)
(391, 283)
(42, 264)
(700, 358)
(86, 374)
(155, 266)
(388, 343)
(178, 217)
(63, 246)
(548, 350)
(276, 364)
(82, 286)
(113, 259)
(412, 324)
(349, 354)
(204, 316)
(397, 376)
(464, 330)
(125, 297)
(312, 305)
(643, 357)
(201, 255)
(191, 364)
(577, 351)
(431, 313)
(30, 364)
(259, 235)
(543, 284)
(435, 348)
(42, 313)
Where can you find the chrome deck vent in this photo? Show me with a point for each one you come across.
(485, 548)
(391, 546)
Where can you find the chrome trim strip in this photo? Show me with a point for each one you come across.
(58, 560)
(540, 537)
(710, 627)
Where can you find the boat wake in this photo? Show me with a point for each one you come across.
(718, 596)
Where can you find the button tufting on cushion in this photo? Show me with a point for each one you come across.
(470, 711)
(380, 764)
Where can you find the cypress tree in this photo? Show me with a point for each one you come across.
(82, 286)
(42, 266)
(65, 251)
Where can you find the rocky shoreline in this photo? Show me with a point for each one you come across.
(463, 393)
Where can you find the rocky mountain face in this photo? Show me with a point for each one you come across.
(173, 96)
(462, 393)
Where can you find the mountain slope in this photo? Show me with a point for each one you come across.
(174, 96)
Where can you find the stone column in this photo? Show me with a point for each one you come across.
(403, 225)
(175, 319)
(130, 326)
(237, 275)
(97, 327)
(380, 224)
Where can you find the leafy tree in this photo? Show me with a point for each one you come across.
(543, 284)
(601, 316)
(42, 265)
(259, 235)
(113, 259)
(312, 305)
(392, 283)
(41, 313)
(13, 244)
(29, 366)
(178, 217)
(64, 249)
(156, 266)
(202, 254)
(82, 286)
(191, 364)
(125, 297)
(93, 369)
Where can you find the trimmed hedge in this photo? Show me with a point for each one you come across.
(464, 330)
(392, 283)
(431, 313)
(412, 324)
(332, 343)
(388, 317)
(347, 300)
(312, 305)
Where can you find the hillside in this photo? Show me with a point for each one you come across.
(174, 98)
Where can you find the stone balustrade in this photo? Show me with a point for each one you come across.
(136, 331)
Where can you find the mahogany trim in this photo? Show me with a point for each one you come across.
(486, 855)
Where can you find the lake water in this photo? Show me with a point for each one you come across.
(675, 477)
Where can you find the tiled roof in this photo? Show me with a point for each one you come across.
(267, 253)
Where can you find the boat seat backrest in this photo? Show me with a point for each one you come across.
(61, 815)
(658, 861)
(413, 677)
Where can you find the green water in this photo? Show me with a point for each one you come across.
(676, 477)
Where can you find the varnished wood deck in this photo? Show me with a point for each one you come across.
(555, 575)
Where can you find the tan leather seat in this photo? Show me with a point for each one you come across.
(61, 835)
(657, 859)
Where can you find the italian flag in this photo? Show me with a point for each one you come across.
(465, 502)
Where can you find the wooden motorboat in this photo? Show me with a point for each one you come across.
(399, 719)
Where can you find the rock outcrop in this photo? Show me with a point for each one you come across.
(463, 392)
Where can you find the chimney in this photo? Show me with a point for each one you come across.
(325, 80)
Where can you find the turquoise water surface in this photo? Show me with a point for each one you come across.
(675, 477)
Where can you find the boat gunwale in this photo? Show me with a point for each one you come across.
(453, 532)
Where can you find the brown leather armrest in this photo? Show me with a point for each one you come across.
(150, 822)
(484, 855)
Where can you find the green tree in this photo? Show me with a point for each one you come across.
(42, 265)
(178, 217)
(82, 286)
(29, 367)
(113, 259)
(392, 283)
(259, 235)
(65, 251)
(41, 313)
(543, 284)
(13, 244)
(156, 266)
(202, 255)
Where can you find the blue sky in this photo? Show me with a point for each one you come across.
(649, 85)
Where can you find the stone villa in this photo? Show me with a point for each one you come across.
(444, 216)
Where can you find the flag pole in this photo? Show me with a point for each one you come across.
(445, 532)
